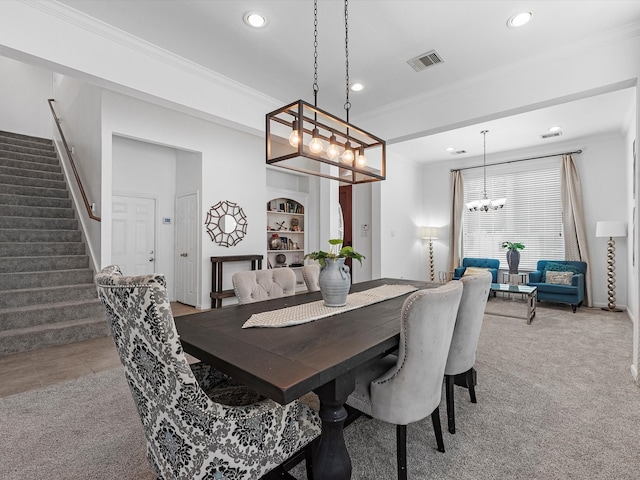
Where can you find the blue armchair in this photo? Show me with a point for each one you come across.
(571, 292)
(490, 264)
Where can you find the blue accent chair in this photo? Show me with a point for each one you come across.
(491, 263)
(572, 294)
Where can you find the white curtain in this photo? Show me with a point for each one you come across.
(575, 236)
(457, 204)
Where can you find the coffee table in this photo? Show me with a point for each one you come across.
(531, 294)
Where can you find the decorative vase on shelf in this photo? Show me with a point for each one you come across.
(335, 282)
(513, 260)
(275, 243)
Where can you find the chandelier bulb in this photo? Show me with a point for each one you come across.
(294, 136)
(348, 156)
(316, 144)
(332, 150)
(361, 160)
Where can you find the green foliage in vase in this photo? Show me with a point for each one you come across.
(512, 245)
(335, 252)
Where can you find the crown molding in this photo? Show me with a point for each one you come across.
(140, 46)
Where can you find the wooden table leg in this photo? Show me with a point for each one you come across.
(331, 459)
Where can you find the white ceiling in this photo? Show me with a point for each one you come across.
(470, 35)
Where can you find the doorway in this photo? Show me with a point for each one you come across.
(345, 198)
(187, 249)
(133, 234)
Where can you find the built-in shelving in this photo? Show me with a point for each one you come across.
(286, 235)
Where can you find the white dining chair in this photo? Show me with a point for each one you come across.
(407, 388)
(464, 343)
(258, 285)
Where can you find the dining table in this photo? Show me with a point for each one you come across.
(287, 362)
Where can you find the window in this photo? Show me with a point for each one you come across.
(532, 215)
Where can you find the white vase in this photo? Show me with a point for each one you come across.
(335, 282)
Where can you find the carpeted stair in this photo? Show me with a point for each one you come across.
(47, 294)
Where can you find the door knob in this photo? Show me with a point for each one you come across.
(151, 259)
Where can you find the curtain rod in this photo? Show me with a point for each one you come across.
(514, 161)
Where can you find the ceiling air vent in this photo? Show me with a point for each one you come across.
(425, 60)
(544, 136)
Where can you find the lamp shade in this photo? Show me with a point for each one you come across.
(429, 232)
(611, 229)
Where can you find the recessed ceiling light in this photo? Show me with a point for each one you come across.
(357, 87)
(450, 149)
(255, 19)
(555, 129)
(519, 19)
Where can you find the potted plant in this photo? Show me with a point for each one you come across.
(335, 279)
(513, 255)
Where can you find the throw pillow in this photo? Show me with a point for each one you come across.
(474, 271)
(559, 278)
(557, 267)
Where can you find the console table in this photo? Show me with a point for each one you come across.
(217, 293)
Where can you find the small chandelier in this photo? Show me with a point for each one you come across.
(485, 203)
(307, 139)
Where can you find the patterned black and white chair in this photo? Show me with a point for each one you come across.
(407, 388)
(258, 285)
(464, 344)
(311, 276)
(198, 423)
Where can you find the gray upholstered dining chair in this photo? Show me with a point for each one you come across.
(311, 276)
(257, 285)
(407, 388)
(198, 422)
(464, 344)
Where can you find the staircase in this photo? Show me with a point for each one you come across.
(47, 294)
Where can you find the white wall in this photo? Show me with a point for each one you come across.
(78, 106)
(24, 90)
(232, 169)
(401, 250)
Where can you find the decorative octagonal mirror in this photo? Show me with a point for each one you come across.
(226, 223)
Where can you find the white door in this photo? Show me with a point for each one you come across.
(133, 234)
(187, 249)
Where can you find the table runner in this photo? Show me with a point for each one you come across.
(307, 312)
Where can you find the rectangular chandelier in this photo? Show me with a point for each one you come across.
(307, 139)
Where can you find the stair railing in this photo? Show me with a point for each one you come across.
(73, 165)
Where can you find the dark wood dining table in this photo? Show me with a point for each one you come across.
(288, 362)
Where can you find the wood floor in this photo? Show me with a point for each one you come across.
(25, 371)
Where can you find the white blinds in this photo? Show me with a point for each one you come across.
(532, 215)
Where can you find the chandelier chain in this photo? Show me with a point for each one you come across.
(316, 88)
(347, 104)
(484, 160)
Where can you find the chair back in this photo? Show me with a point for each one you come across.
(466, 333)
(311, 275)
(189, 435)
(412, 389)
(159, 377)
(258, 285)
(574, 265)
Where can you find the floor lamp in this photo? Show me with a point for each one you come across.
(611, 229)
(430, 233)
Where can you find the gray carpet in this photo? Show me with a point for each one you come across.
(556, 401)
